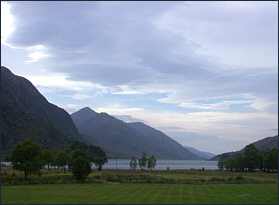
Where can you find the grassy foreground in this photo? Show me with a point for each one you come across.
(140, 187)
(116, 193)
(9, 176)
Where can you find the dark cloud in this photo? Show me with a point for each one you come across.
(184, 53)
(92, 34)
(124, 43)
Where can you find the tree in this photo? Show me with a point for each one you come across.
(220, 164)
(151, 162)
(27, 156)
(251, 157)
(143, 161)
(133, 163)
(271, 160)
(62, 159)
(48, 156)
(80, 164)
(99, 162)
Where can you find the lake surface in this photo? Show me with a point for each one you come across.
(162, 164)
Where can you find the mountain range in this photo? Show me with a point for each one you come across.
(26, 113)
(125, 140)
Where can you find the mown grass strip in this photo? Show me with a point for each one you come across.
(140, 194)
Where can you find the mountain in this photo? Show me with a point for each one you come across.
(263, 145)
(120, 139)
(25, 113)
(173, 148)
(204, 155)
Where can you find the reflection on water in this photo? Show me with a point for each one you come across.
(162, 164)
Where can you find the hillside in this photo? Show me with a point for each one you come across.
(171, 146)
(120, 139)
(204, 155)
(25, 113)
(263, 144)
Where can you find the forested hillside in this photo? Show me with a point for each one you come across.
(25, 113)
(263, 145)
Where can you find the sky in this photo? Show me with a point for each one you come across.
(204, 73)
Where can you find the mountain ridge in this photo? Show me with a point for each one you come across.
(26, 113)
(162, 138)
(264, 144)
(113, 134)
(204, 155)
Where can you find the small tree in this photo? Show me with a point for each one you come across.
(80, 164)
(62, 159)
(48, 156)
(133, 163)
(143, 161)
(99, 162)
(151, 162)
(27, 156)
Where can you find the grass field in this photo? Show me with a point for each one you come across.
(9, 176)
(140, 187)
(116, 193)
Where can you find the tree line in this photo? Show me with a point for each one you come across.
(28, 157)
(143, 162)
(250, 160)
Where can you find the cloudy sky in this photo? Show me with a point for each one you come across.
(205, 73)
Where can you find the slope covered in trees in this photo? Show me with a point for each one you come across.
(252, 159)
(263, 145)
(25, 113)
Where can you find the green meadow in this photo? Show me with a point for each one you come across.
(116, 193)
(140, 187)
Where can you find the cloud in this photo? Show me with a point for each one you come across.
(60, 81)
(201, 66)
(233, 25)
(209, 142)
(72, 107)
(80, 96)
(119, 111)
(6, 22)
(217, 106)
(128, 118)
(87, 42)
(170, 128)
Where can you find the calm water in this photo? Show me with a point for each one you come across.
(161, 164)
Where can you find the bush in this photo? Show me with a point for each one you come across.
(239, 177)
(216, 179)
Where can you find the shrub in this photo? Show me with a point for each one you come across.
(239, 177)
